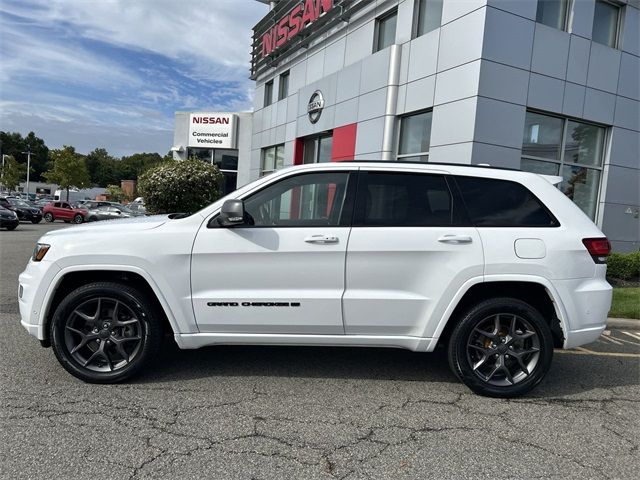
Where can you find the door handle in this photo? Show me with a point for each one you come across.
(322, 239)
(455, 239)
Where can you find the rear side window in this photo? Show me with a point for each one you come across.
(501, 203)
(56, 205)
(403, 200)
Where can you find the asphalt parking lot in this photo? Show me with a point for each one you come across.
(294, 413)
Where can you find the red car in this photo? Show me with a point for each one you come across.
(64, 211)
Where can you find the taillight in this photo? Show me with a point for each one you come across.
(598, 248)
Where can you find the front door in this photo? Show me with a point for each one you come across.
(282, 272)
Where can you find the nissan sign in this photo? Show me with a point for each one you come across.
(292, 23)
(315, 106)
(213, 130)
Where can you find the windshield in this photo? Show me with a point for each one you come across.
(18, 203)
(122, 208)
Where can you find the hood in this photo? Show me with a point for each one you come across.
(119, 226)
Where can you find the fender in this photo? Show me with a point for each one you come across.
(553, 294)
(176, 325)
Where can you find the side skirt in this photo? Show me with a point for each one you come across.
(198, 340)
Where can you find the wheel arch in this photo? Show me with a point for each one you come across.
(537, 292)
(68, 280)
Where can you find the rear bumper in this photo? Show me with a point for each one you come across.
(586, 303)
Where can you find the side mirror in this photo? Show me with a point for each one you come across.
(231, 214)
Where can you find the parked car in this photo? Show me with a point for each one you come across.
(137, 208)
(498, 266)
(24, 211)
(8, 219)
(109, 211)
(64, 211)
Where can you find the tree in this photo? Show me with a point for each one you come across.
(12, 173)
(14, 144)
(131, 167)
(67, 169)
(184, 186)
(101, 167)
(115, 193)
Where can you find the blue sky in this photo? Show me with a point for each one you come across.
(111, 73)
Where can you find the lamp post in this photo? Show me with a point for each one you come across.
(28, 154)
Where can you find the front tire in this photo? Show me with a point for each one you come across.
(105, 332)
(36, 220)
(48, 217)
(501, 347)
(12, 227)
(78, 219)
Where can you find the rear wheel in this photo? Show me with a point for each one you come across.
(502, 347)
(78, 218)
(105, 332)
(48, 217)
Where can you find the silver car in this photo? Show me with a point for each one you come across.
(107, 211)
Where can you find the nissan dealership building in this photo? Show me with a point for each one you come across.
(549, 86)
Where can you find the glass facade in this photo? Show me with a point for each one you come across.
(268, 93)
(571, 149)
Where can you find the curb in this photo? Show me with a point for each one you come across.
(625, 323)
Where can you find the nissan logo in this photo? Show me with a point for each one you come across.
(315, 107)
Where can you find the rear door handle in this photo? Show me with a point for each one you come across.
(455, 239)
(322, 239)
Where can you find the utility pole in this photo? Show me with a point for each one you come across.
(2, 173)
(28, 154)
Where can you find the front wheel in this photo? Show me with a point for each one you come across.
(105, 332)
(48, 217)
(12, 227)
(502, 347)
(36, 220)
(78, 218)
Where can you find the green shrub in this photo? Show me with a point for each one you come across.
(175, 186)
(625, 266)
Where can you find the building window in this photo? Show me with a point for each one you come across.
(283, 86)
(606, 21)
(553, 13)
(318, 149)
(415, 135)
(272, 159)
(268, 93)
(385, 34)
(227, 162)
(429, 16)
(571, 149)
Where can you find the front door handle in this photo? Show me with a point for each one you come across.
(455, 239)
(322, 239)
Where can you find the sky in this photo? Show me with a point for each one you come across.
(111, 73)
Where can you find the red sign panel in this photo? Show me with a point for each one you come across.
(292, 23)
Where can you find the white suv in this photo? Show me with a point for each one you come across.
(498, 265)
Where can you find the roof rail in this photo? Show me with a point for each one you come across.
(414, 162)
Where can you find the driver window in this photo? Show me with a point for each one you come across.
(307, 200)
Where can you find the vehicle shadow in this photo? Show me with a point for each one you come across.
(570, 374)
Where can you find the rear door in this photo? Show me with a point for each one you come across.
(410, 250)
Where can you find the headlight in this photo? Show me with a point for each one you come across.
(40, 251)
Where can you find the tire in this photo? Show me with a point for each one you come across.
(105, 349)
(48, 217)
(78, 219)
(93, 219)
(13, 227)
(67, 221)
(501, 347)
(36, 220)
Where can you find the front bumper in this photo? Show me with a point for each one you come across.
(10, 222)
(33, 292)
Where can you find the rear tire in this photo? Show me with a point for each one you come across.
(105, 332)
(502, 347)
(78, 219)
(48, 217)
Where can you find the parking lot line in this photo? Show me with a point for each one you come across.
(584, 351)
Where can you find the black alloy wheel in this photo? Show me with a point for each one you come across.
(502, 347)
(105, 332)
